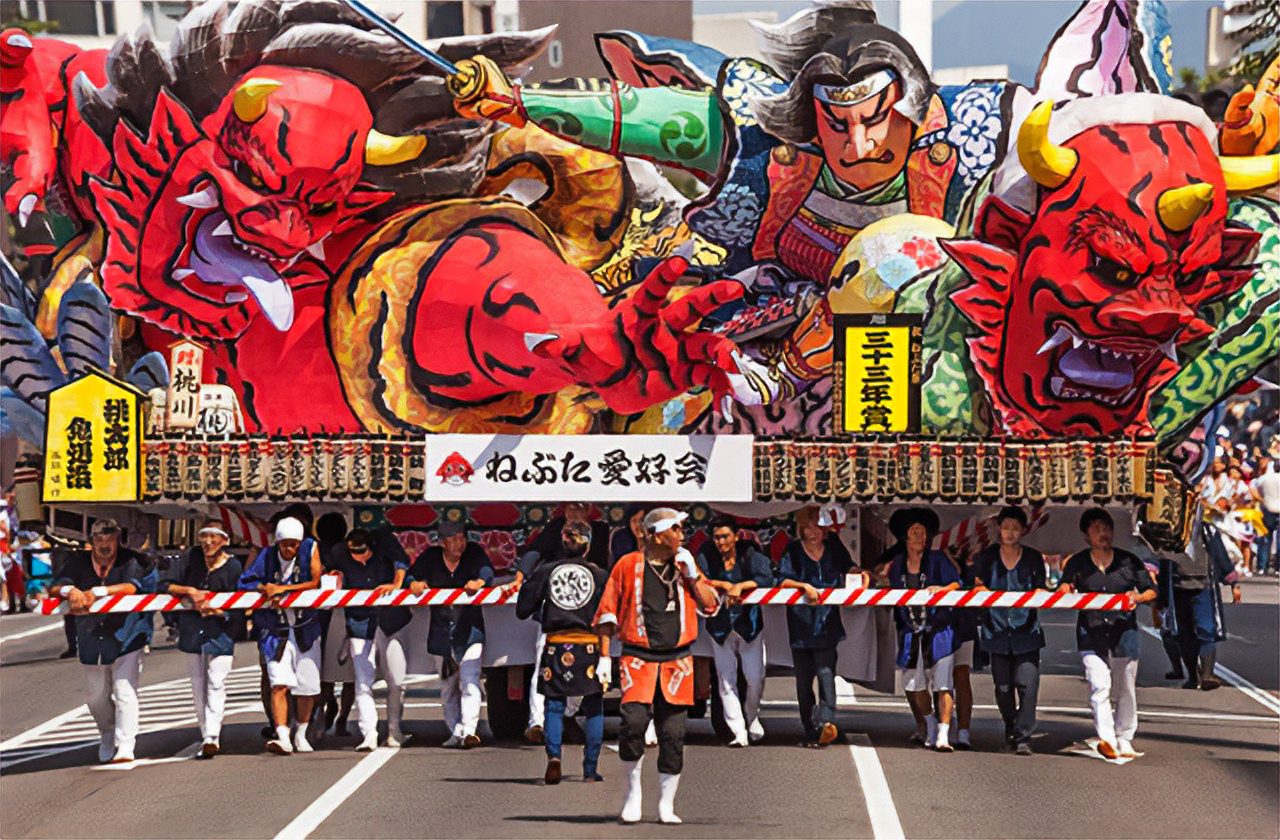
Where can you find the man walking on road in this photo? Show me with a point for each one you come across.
(204, 634)
(926, 638)
(1108, 641)
(564, 593)
(1012, 637)
(289, 639)
(109, 644)
(735, 569)
(652, 601)
(457, 633)
(359, 566)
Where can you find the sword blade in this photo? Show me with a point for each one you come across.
(438, 61)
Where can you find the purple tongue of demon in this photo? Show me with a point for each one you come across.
(219, 257)
(1096, 368)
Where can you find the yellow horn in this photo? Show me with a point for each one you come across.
(251, 98)
(1181, 206)
(385, 149)
(1048, 165)
(1248, 174)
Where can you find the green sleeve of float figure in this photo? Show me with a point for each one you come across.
(666, 125)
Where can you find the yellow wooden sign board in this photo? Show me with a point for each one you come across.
(93, 442)
(878, 373)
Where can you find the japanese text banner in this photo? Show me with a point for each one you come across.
(592, 468)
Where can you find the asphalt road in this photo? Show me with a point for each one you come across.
(1211, 764)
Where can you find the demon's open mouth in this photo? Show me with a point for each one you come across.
(1110, 370)
(220, 259)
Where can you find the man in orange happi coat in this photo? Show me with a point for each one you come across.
(652, 602)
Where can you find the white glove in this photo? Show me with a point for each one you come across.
(832, 514)
(685, 563)
(604, 670)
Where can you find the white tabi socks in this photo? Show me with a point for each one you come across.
(631, 805)
(669, 783)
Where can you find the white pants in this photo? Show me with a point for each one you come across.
(538, 703)
(297, 670)
(460, 694)
(1119, 676)
(209, 691)
(364, 663)
(395, 666)
(113, 700)
(727, 656)
(938, 678)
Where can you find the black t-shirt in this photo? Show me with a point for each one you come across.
(214, 634)
(102, 637)
(564, 593)
(380, 568)
(1109, 631)
(661, 609)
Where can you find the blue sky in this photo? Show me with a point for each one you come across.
(1012, 32)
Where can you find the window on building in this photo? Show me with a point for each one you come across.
(486, 19)
(72, 17)
(444, 20)
(163, 15)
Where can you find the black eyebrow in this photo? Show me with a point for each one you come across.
(831, 115)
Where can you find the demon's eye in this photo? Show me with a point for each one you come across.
(247, 176)
(1192, 279)
(322, 209)
(1110, 271)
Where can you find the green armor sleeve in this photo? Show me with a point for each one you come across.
(665, 125)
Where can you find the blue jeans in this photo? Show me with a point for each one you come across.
(810, 664)
(553, 730)
(1267, 555)
(1197, 625)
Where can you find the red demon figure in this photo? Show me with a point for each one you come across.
(238, 210)
(42, 133)
(263, 227)
(1082, 305)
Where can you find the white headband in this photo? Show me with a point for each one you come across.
(859, 91)
(213, 529)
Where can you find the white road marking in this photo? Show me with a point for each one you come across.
(885, 824)
(1266, 698)
(844, 691)
(329, 801)
(162, 706)
(33, 632)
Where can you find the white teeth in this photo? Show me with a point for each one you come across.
(274, 297)
(1169, 350)
(223, 229)
(1057, 338)
(204, 199)
(1076, 341)
(1055, 385)
(316, 249)
(25, 207)
(181, 274)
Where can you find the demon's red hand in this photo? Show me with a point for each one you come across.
(646, 349)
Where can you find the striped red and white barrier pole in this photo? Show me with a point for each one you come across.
(334, 598)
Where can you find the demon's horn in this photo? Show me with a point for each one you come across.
(251, 98)
(386, 149)
(1049, 165)
(1248, 174)
(1181, 206)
